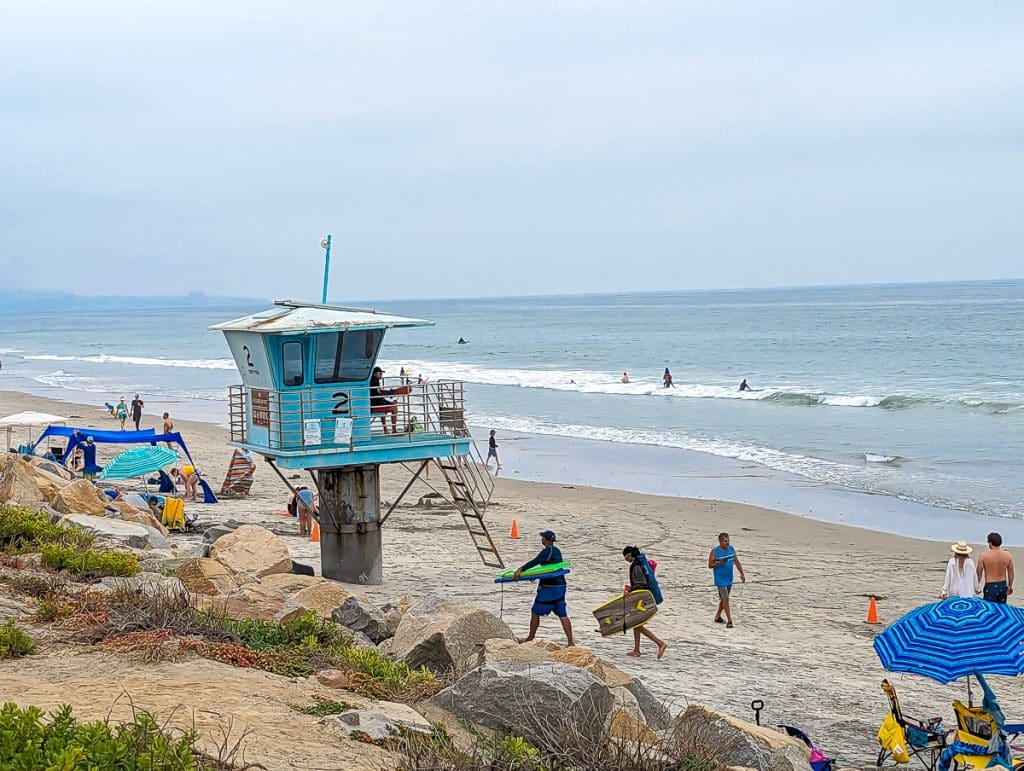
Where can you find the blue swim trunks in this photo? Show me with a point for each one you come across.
(995, 591)
(548, 599)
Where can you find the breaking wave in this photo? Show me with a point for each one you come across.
(591, 382)
(142, 361)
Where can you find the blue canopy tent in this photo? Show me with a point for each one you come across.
(76, 436)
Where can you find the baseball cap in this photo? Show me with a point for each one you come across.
(378, 369)
(548, 534)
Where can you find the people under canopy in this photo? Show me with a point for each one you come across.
(77, 436)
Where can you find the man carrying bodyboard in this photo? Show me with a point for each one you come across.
(550, 591)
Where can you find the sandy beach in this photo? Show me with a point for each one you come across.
(800, 642)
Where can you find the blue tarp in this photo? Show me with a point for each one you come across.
(77, 436)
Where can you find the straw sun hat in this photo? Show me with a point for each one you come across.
(961, 547)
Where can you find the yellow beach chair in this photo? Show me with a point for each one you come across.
(904, 739)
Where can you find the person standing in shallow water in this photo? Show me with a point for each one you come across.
(550, 591)
(721, 560)
(638, 581)
(667, 379)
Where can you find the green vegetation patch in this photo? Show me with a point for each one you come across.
(15, 642)
(89, 564)
(63, 743)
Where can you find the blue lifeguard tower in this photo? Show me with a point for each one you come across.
(313, 398)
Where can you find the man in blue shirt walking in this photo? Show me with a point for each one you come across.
(721, 561)
(550, 591)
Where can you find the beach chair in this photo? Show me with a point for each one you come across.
(817, 759)
(978, 741)
(240, 473)
(904, 739)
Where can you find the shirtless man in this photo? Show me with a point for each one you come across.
(995, 567)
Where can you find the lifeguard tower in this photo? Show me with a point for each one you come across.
(307, 402)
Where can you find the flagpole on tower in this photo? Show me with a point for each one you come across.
(326, 245)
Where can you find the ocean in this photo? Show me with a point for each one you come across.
(911, 391)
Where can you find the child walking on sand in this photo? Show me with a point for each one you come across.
(638, 580)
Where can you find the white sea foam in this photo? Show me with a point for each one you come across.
(62, 379)
(143, 361)
(10, 350)
(870, 457)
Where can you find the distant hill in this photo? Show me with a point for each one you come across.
(22, 300)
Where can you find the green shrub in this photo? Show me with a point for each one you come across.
(15, 642)
(258, 635)
(23, 531)
(324, 707)
(64, 744)
(87, 564)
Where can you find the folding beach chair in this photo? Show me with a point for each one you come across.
(239, 479)
(978, 742)
(905, 738)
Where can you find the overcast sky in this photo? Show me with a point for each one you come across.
(477, 148)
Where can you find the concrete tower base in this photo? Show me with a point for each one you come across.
(350, 543)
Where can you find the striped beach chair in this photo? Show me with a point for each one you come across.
(239, 479)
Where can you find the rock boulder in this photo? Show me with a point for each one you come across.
(252, 549)
(739, 743)
(444, 635)
(80, 497)
(361, 615)
(18, 483)
(543, 703)
(384, 720)
(249, 601)
(116, 530)
(323, 596)
(207, 576)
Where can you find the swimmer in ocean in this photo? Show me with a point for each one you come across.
(624, 378)
(463, 341)
(667, 379)
(744, 386)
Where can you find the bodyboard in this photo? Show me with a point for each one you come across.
(537, 570)
(625, 612)
(535, 577)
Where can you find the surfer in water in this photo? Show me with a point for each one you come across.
(637, 581)
(550, 591)
(744, 386)
(463, 341)
(667, 379)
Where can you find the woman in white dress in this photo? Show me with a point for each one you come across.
(961, 578)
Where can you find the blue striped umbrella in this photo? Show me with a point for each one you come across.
(138, 462)
(954, 638)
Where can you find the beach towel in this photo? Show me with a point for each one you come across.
(174, 514)
(240, 474)
(652, 581)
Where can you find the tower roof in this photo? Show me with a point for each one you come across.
(290, 316)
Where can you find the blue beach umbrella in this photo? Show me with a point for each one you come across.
(138, 462)
(955, 638)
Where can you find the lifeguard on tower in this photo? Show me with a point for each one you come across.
(312, 397)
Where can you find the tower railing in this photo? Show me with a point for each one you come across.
(340, 416)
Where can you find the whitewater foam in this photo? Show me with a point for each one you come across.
(142, 361)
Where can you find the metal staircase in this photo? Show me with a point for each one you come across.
(471, 487)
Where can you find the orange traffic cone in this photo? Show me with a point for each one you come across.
(514, 533)
(872, 612)
(315, 535)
